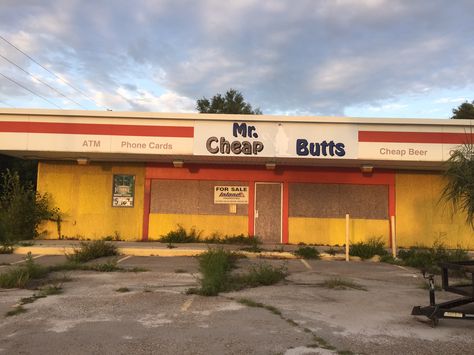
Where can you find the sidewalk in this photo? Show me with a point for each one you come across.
(60, 247)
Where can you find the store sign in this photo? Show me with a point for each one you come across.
(272, 139)
(231, 194)
(58, 136)
(123, 191)
(405, 143)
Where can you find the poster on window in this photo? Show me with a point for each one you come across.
(124, 191)
(231, 194)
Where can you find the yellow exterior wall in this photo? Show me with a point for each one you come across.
(161, 224)
(332, 231)
(84, 194)
(422, 218)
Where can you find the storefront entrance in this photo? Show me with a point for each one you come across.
(268, 207)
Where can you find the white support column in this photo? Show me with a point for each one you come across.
(347, 237)
(394, 236)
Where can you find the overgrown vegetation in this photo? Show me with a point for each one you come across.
(370, 248)
(22, 209)
(181, 235)
(251, 303)
(48, 290)
(20, 276)
(123, 289)
(459, 177)
(318, 342)
(92, 250)
(427, 259)
(307, 252)
(23, 275)
(17, 310)
(332, 251)
(115, 237)
(339, 283)
(216, 265)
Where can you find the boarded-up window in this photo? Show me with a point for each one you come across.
(190, 197)
(335, 200)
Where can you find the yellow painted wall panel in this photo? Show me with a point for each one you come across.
(84, 195)
(332, 231)
(422, 218)
(161, 224)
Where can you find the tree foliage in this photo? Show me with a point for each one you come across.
(459, 188)
(231, 103)
(26, 169)
(22, 209)
(465, 111)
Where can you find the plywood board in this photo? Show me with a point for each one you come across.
(335, 200)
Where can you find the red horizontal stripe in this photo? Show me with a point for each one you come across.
(99, 129)
(415, 137)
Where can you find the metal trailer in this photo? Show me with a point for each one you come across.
(459, 308)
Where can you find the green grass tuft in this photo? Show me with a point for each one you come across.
(123, 289)
(368, 249)
(307, 252)
(19, 276)
(181, 236)
(92, 250)
(427, 259)
(17, 310)
(215, 266)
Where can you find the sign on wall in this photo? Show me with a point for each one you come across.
(123, 191)
(169, 137)
(231, 194)
(272, 139)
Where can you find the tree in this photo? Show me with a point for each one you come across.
(459, 188)
(232, 103)
(465, 111)
(22, 209)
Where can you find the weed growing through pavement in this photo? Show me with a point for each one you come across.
(92, 250)
(216, 265)
(18, 277)
(21, 276)
(318, 342)
(307, 252)
(366, 250)
(428, 259)
(338, 283)
(123, 289)
(17, 310)
(181, 235)
(48, 290)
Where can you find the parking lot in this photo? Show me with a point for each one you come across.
(296, 316)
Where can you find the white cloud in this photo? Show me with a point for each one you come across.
(450, 100)
(308, 56)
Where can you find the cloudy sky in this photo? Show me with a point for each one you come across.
(376, 58)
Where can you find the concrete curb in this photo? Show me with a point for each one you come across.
(44, 250)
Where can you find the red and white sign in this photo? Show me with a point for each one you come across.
(398, 143)
(165, 138)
